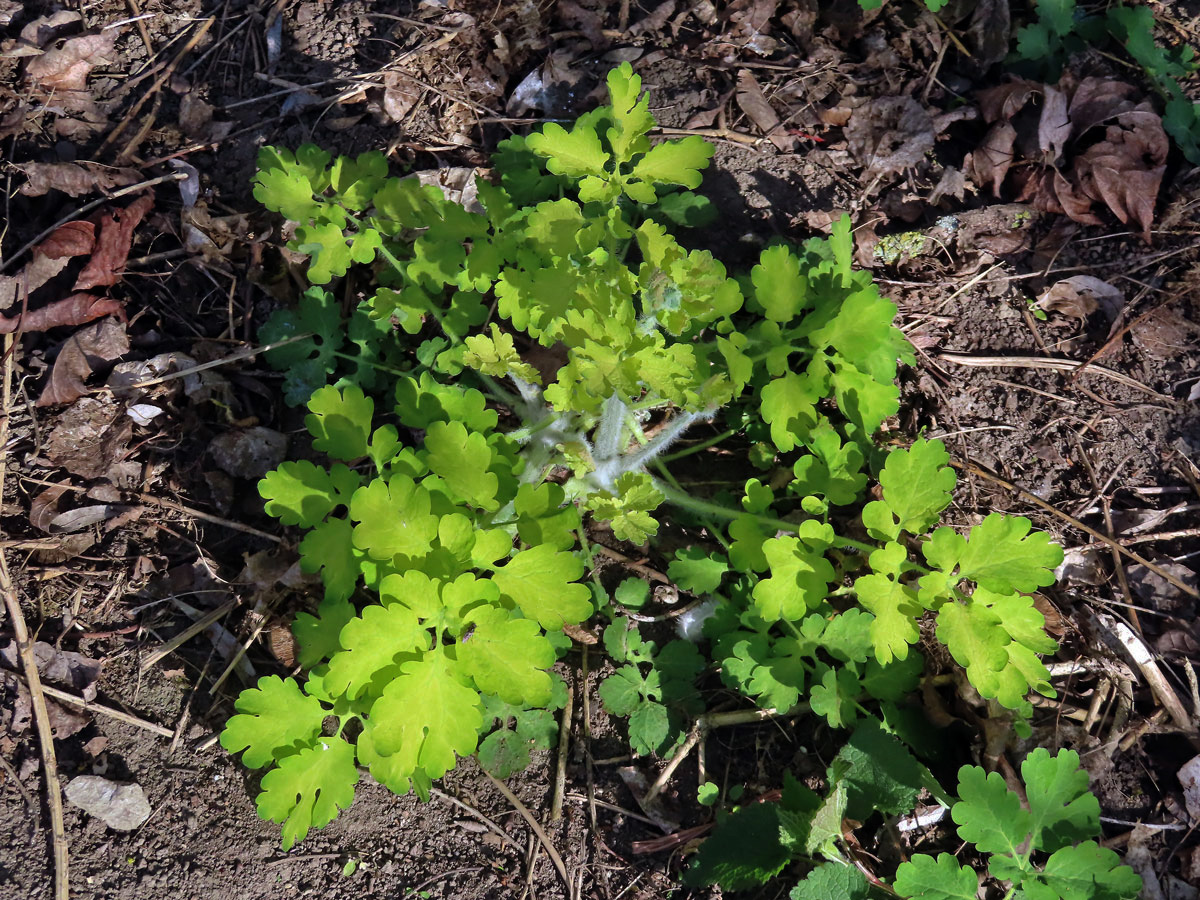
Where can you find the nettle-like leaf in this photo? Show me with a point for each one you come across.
(658, 702)
(1061, 817)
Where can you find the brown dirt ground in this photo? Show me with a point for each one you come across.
(1073, 444)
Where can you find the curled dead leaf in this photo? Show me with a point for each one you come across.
(78, 309)
(107, 264)
(1124, 172)
(754, 104)
(1081, 295)
(991, 160)
(67, 66)
(82, 354)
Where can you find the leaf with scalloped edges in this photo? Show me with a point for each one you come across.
(273, 719)
(325, 243)
(309, 789)
(329, 549)
(371, 644)
(426, 715)
(393, 517)
(317, 636)
(340, 421)
(544, 516)
(303, 493)
(462, 458)
(789, 406)
(1000, 554)
(894, 604)
(576, 153)
(780, 288)
(543, 583)
(799, 581)
(422, 401)
(671, 162)
(507, 656)
(357, 180)
(917, 485)
(628, 508)
(631, 116)
(830, 469)
(926, 878)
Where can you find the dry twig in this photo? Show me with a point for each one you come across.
(41, 715)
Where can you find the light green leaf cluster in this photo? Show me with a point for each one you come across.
(974, 584)
(457, 637)
(609, 152)
(1061, 819)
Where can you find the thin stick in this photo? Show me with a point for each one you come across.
(45, 733)
(660, 782)
(537, 829)
(191, 631)
(121, 716)
(504, 835)
(1037, 501)
(1140, 654)
(62, 866)
(166, 73)
(564, 740)
(208, 517)
(244, 353)
(1058, 365)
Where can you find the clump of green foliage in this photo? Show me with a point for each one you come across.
(521, 372)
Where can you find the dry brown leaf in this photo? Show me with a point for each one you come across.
(1124, 171)
(1076, 206)
(589, 21)
(990, 162)
(82, 354)
(400, 94)
(754, 104)
(952, 184)
(66, 67)
(655, 21)
(751, 20)
(1081, 295)
(14, 288)
(69, 240)
(78, 309)
(1165, 334)
(1099, 100)
(112, 245)
(73, 179)
(90, 436)
(889, 135)
(1053, 126)
(44, 507)
(1006, 100)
